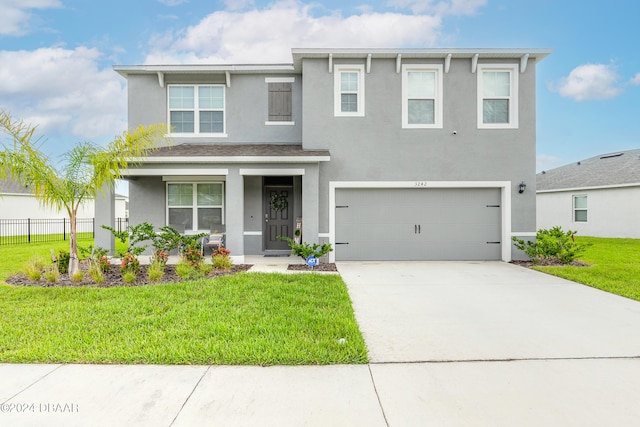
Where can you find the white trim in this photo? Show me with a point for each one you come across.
(194, 203)
(512, 69)
(601, 187)
(178, 172)
(324, 235)
(252, 233)
(232, 159)
(279, 79)
(191, 178)
(398, 63)
(161, 79)
(447, 63)
(474, 63)
(279, 123)
(505, 203)
(227, 78)
(337, 92)
(524, 234)
(368, 63)
(271, 172)
(437, 100)
(523, 62)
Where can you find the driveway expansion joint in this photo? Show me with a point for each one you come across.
(517, 359)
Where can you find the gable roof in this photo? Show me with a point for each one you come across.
(621, 168)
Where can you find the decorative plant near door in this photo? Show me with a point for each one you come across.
(304, 250)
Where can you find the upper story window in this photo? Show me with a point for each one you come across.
(280, 101)
(422, 96)
(349, 90)
(196, 109)
(579, 208)
(497, 96)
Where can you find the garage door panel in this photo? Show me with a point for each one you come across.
(418, 224)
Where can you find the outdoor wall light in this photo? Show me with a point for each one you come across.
(522, 187)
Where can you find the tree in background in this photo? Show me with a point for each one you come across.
(85, 170)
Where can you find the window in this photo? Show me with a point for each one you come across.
(196, 109)
(196, 206)
(349, 90)
(497, 96)
(280, 100)
(422, 96)
(579, 208)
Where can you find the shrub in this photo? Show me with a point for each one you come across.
(160, 256)
(129, 277)
(96, 274)
(134, 236)
(155, 272)
(553, 245)
(129, 264)
(193, 255)
(104, 263)
(305, 250)
(34, 268)
(77, 276)
(204, 269)
(185, 270)
(63, 261)
(220, 259)
(52, 275)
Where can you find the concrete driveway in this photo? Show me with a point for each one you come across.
(457, 311)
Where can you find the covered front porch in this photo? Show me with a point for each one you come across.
(253, 193)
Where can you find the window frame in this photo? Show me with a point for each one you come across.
(338, 70)
(513, 70)
(575, 209)
(194, 203)
(197, 110)
(438, 99)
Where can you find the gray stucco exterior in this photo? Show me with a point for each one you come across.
(372, 150)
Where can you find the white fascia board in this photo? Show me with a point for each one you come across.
(595, 187)
(271, 172)
(234, 159)
(125, 70)
(180, 172)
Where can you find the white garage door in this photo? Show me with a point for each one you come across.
(418, 224)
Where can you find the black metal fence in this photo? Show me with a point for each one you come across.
(35, 230)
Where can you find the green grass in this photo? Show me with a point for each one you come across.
(615, 266)
(242, 319)
(45, 238)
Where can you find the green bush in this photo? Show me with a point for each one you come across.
(304, 249)
(63, 261)
(155, 272)
(552, 245)
(34, 268)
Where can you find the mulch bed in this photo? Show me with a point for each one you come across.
(113, 278)
(325, 266)
(550, 263)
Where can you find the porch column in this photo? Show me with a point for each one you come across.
(234, 214)
(310, 204)
(105, 214)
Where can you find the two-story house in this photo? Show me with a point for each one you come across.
(388, 154)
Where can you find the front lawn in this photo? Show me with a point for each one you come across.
(615, 266)
(243, 319)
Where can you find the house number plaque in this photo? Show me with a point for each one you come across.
(421, 184)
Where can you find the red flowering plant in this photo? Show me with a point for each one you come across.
(220, 258)
(193, 256)
(129, 264)
(160, 256)
(104, 263)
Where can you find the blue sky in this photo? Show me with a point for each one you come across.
(56, 56)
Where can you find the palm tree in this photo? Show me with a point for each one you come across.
(86, 169)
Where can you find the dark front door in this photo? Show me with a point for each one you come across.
(278, 216)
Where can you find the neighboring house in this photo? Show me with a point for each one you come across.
(598, 197)
(408, 154)
(18, 202)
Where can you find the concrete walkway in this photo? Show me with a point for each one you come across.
(452, 344)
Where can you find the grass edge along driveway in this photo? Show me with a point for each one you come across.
(242, 319)
(615, 266)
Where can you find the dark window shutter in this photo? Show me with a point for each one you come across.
(280, 102)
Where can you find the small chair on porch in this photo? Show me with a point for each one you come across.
(215, 239)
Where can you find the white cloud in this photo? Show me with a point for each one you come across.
(268, 35)
(544, 162)
(63, 92)
(15, 15)
(452, 7)
(590, 81)
(635, 80)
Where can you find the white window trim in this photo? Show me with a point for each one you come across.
(338, 69)
(574, 209)
(194, 206)
(196, 110)
(513, 98)
(438, 101)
